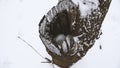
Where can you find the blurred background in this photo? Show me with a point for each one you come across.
(21, 18)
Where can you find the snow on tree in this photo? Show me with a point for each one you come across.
(71, 28)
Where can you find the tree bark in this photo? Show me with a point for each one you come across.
(60, 20)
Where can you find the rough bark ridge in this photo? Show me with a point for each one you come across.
(67, 35)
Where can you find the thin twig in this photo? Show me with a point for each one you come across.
(33, 48)
(48, 60)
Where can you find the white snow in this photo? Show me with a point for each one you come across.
(86, 6)
(64, 46)
(22, 18)
(78, 54)
(76, 39)
(60, 38)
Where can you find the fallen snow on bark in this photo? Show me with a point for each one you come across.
(86, 6)
(64, 47)
(60, 38)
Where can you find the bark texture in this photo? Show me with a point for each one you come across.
(67, 35)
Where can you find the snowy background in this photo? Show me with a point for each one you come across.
(21, 18)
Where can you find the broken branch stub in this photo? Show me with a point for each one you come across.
(67, 33)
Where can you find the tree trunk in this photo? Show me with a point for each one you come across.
(80, 32)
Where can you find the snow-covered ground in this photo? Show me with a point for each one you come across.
(21, 18)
